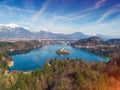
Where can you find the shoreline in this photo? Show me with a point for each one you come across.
(71, 58)
(11, 63)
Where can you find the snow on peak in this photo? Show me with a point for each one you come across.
(45, 30)
(11, 25)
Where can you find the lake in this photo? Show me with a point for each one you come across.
(37, 58)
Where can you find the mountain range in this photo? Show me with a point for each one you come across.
(16, 31)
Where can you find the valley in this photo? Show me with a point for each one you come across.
(63, 71)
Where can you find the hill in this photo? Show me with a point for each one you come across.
(90, 41)
(113, 42)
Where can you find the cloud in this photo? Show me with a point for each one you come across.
(110, 28)
(41, 11)
(15, 9)
(83, 20)
(28, 4)
(66, 19)
(24, 17)
(111, 11)
(78, 17)
(105, 15)
(117, 5)
(56, 18)
(99, 3)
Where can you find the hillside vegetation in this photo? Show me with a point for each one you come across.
(19, 45)
(68, 74)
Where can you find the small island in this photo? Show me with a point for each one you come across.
(62, 51)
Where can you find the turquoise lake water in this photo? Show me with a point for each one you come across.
(36, 58)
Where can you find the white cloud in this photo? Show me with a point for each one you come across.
(15, 9)
(111, 11)
(41, 11)
(110, 28)
(99, 3)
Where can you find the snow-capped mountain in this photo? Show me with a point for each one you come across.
(13, 31)
(16, 31)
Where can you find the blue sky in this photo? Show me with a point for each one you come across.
(64, 16)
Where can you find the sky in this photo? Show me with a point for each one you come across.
(64, 16)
